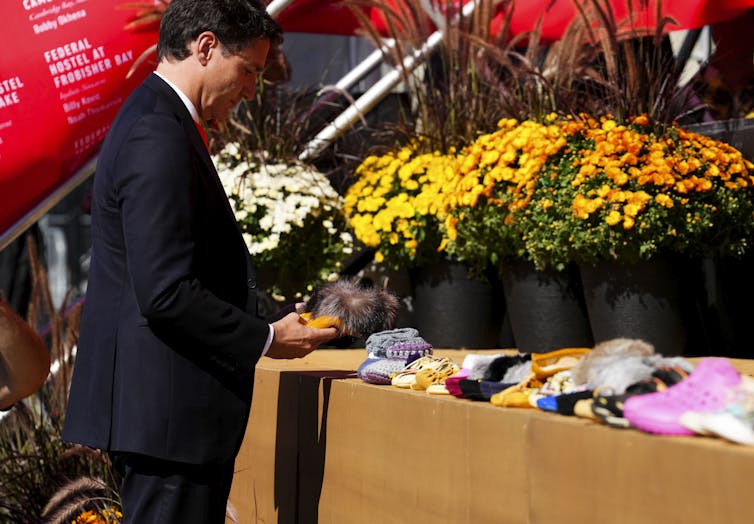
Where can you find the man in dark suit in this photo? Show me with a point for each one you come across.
(169, 335)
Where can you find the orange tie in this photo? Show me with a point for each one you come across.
(200, 128)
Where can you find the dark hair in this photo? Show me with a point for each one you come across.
(236, 23)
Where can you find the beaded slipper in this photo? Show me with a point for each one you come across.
(406, 377)
(435, 375)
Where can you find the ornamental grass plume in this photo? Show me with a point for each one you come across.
(35, 463)
(630, 67)
(474, 76)
(83, 501)
(395, 204)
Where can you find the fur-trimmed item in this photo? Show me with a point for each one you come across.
(478, 364)
(517, 373)
(360, 310)
(500, 366)
(620, 362)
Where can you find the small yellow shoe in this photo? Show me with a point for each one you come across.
(438, 389)
(406, 378)
(435, 375)
(513, 397)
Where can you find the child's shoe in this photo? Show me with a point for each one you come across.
(734, 422)
(609, 408)
(706, 389)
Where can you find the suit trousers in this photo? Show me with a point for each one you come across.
(156, 491)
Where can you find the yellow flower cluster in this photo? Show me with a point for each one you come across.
(626, 191)
(513, 155)
(496, 179)
(557, 191)
(397, 198)
(103, 516)
(671, 168)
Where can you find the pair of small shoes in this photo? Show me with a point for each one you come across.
(474, 367)
(705, 390)
(435, 374)
(734, 422)
(389, 352)
(439, 388)
(503, 372)
(453, 384)
(543, 365)
(609, 408)
(513, 397)
(406, 377)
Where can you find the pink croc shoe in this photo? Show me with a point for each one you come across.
(706, 389)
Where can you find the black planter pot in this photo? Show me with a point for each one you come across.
(729, 280)
(545, 308)
(641, 300)
(451, 309)
(732, 283)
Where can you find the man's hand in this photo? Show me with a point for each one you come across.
(294, 339)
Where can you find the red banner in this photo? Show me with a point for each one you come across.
(62, 80)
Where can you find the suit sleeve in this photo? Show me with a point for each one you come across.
(158, 191)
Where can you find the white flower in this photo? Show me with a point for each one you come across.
(266, 222)
(279, 207)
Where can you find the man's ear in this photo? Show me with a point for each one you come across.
(204, 46)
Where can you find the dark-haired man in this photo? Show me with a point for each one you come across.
(169, 334)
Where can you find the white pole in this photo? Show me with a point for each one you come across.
(276, 7)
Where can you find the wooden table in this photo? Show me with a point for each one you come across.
(323, 446)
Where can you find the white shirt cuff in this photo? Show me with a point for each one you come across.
(267, 344)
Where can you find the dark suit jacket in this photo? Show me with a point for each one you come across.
(169, 335)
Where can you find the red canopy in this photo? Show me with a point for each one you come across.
(333, 17)
(63, 74)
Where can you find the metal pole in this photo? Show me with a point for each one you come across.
(276, 7)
